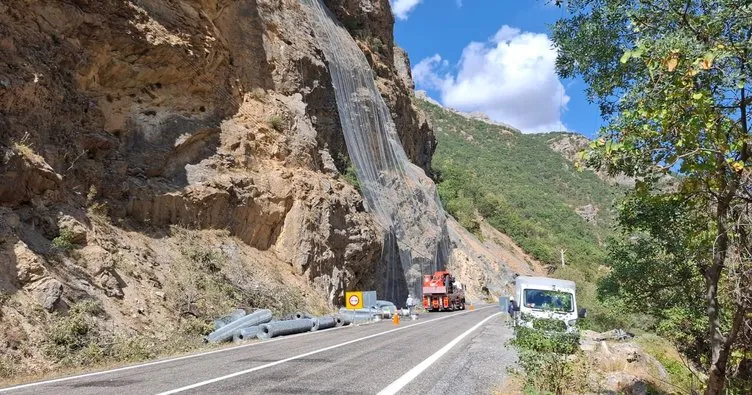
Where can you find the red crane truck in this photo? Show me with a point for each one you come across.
(441, 292)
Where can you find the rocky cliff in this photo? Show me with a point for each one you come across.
(168, 160)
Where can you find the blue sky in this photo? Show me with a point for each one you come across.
(493, 56)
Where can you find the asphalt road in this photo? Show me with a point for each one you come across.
(460, 352)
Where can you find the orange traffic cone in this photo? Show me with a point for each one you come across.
(472, 307)
(395, 319)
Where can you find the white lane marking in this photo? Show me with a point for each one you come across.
(236, 374)
(398, 384)
(162, 361)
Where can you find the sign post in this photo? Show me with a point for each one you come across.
(354, 300)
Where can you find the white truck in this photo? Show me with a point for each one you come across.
(544, 298)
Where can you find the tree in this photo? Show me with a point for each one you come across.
(672, 81)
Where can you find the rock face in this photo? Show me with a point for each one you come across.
(370, 23)
(570, 145)
(487, 267)
(145, 142)
(127, 122)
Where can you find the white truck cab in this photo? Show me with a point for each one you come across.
(545, 298)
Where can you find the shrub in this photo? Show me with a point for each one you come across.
(64, 240)
(352, 178)
(132, 349)
(24, 148)
(276, 123)
(197, 285)
(70, 334)
(378, 45)
(547, 358)
(258, 94)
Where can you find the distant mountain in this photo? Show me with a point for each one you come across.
(524, 185)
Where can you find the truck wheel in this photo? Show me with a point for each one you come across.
(462, 306)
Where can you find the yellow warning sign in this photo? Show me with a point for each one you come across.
(354, 300)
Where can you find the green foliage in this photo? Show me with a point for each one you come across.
(197, 285)
(672, 79)
(74, 333)
(549, 325)
(277, 123)
(378, 45)
(653, 268)
(64, 240)
(352, 177)
(547, 358)
(521, 187)
(349, 173)
(133, 349)
(679, 373)
(77, 339)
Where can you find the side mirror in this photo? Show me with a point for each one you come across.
(582, 313)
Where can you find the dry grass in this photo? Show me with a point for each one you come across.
(258, 94)
(277, 123)
(25, 149)
(680, 375)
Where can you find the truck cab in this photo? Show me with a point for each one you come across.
(442, 292)
(546, 298)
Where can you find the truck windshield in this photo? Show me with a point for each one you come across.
(548, 300)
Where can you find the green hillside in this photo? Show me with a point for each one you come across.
(523, 188)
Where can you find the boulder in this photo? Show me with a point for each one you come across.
(30, 267)
(77, 229)
(49, 293)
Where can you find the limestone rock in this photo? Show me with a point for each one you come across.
(101, 267)
(49, 293)
(30, 267)
(624, 383)
(24, 174)
(402, 67)
(588, 212)
(77, 229)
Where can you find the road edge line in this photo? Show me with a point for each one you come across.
(332, 347)
(411, 374)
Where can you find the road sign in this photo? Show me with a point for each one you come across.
(354, 300)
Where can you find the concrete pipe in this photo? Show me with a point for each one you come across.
(341, 321)
(226, 332)
(300, 315)
(355, 317)
(323, 323)
(233, 316)
(282, 328)
(245, 334)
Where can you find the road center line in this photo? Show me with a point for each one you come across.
(398, 384)
(268, 365)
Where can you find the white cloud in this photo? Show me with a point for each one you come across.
(401, 8)
(511, 78)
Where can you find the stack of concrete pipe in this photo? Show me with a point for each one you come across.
(229, 330)
(238, 326)
(233, 316)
